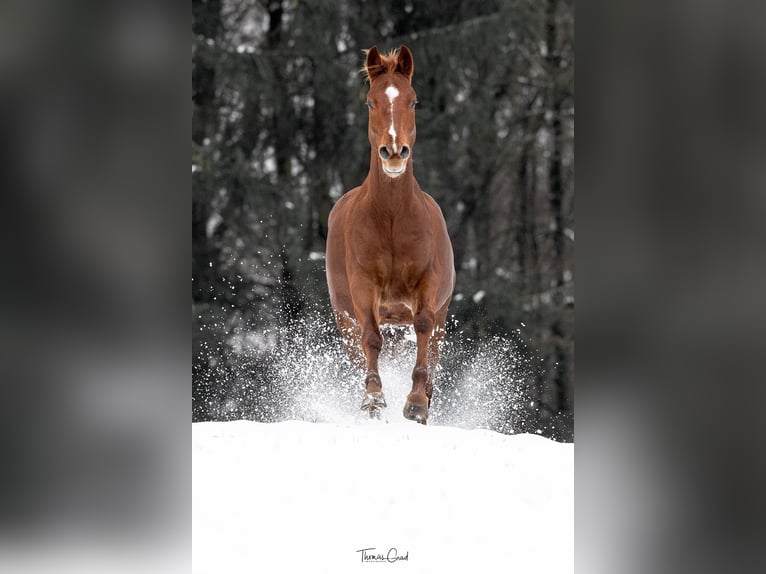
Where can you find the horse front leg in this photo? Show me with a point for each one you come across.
(372, 343)
(418, 401)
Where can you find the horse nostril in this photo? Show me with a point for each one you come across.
(383, 151)
(405, 152)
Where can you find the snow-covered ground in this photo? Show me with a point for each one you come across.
(302, 497)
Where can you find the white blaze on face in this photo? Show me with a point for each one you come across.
(392, 92)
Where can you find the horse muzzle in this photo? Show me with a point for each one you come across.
(394, 169)
(394, 165)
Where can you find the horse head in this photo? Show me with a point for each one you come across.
(391, 102)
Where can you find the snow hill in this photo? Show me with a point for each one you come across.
(378, 497)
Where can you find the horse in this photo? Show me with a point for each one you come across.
(389, 258)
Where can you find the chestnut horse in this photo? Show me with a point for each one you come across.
(389, 257)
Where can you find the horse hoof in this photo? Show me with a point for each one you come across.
(417, 413)
(376, 414)
(373, 402)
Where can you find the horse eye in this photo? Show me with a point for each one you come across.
(369, 105)
(413, 104)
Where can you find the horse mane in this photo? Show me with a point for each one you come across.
(387, 64)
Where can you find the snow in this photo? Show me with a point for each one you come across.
(298, 496)
(316, 255)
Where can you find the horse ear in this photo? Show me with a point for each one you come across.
(373, 65)
(404, 63)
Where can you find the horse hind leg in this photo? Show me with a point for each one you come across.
(393, 340)
(351, 335)
(434, 350)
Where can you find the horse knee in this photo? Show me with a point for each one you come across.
(424, 323)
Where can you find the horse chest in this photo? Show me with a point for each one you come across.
(391, 250)
(399, 267)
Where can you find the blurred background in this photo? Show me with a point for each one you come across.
(279, 133)
(670, 268)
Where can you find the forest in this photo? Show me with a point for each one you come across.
(279, 133)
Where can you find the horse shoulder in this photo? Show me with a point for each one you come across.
(432, 206)
(340, 207)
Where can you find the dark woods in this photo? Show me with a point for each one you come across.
(279, 133)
